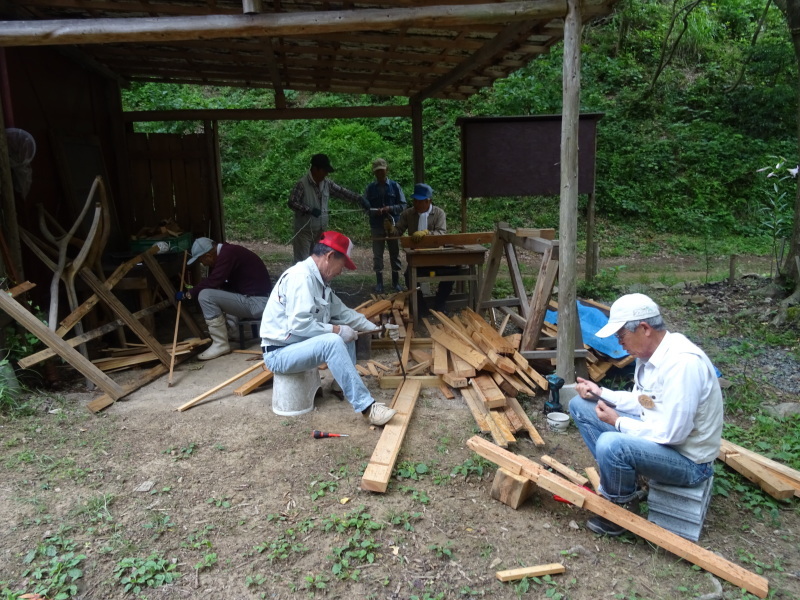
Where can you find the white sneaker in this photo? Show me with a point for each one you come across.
(380, 414)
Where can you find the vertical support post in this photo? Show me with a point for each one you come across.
(416, 141)
(217, 229)
(591, 265)
(568, 220)
(9, 234)
(732, 269)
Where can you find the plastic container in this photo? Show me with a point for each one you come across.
(176, 244)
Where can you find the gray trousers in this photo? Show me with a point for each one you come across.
(304, 240)
(215, 302)
(378, 243)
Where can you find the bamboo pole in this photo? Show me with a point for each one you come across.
(177, 322)
(203, 396)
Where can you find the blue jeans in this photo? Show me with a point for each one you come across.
(622, 457)
(326, 348)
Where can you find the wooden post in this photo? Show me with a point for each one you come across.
(591, 265)
(177, 321)
(732, 270)
(417, 148)
(568, 220)
(8, 210)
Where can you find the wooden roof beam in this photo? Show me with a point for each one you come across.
(266, 114)
(103, 31)
(482, 56)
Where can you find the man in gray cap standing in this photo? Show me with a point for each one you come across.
(384, 201)
(238, 285)
(309, 201)
(668, 428)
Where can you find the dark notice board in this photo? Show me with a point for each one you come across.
(520, 156)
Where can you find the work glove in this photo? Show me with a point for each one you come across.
(180, 296)
(418, 235)
(315, 212)
(388, 226)
(393, 331)
(347, 333)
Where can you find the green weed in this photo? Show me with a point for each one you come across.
(208, 561)
(54, 567)
(182, 453)
(476, 465)
(356, 551)
(411, 470)
(135, 574)
(219, 502)
(404, 519)
(318, 489)
(442, 550)
(420, 496)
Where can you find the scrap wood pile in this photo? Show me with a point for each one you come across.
(776, 479)
(466, 353)
(597, 363)
(118, 359)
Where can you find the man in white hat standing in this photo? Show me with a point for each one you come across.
(237, 287)
(305, 324)
(668, 428)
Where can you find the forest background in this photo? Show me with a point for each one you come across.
(694, 152)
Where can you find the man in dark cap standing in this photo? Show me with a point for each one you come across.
(309, 201)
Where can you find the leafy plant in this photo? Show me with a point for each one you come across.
(135, 574)
(411, 470)
(776, 212)
(181, 453)
(219, 502)
(475, 465)
(442, 550)
(208, 561)
(420, 496)
(54, 567)
(318, 489)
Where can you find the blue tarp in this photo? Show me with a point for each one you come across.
(592, 320)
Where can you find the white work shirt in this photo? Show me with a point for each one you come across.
(684, 387)
(302, 306)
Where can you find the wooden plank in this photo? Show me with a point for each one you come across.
(477, 360)
(594, 478)
(123, 313)
(526, 367)
(574, 477)
(407, 344)
(398, 320)
(461, 367)
(447, 391)
(416, 342)
(376, 308)
(705, 559)
(421, 356)
(487, 390)
(511, 489)
(513, 419)
(537, 571)
(379, 470)
(393, 381)
(545, 234)
(169, 290)
(254, 383)
(439, 359)
(216, 388)
(379, 365)
(488, 332)
(454, 380)
(119, 273)
(506, 386)
(761, 476)
(448, 239)
(479, 412)
(372, 370)
(20, 289)
(363, 370)
(419, 369)
(499, 418)
(32, 359)
(21, 315)
(514, 404)
(105, 400)
(727, 447)
(538, 306)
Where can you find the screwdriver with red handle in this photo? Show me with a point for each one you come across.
(324, 434)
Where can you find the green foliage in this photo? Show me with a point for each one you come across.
(475, 465)
(442, 550)
(54, 567)
(181, 453)
(404, 519)
(604, 286)
(318, 489)
(410, 470)
(135, 574)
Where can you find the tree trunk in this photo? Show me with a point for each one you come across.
(791, 10)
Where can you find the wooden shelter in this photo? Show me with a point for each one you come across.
(63, 62)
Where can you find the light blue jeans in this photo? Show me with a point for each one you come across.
(326, 348)
(622, 457)
(214, 302)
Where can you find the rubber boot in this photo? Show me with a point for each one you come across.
(218, 331)
(396, 281)
(232, 323)
(379, 279)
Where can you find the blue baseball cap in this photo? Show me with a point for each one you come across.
(422, 191)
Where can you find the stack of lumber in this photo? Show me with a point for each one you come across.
(137, 354)
(490, 372)
(776, 479)
(391, 307)
(597, 363)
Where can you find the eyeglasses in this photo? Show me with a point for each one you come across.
(621, 334)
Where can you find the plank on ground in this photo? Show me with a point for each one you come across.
(715, 564)
(487, 390)
(761, 476)
(379, 470)
(574, 477)
(254, 383)
(514, 404)
(537, 571)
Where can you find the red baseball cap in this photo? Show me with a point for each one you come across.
(341, 243)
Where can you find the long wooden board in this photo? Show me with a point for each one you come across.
(477, 360)
(514, 405)
(379, 470)
(740, 577)
(537, 571)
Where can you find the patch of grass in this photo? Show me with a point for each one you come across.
(181, 453)
(54, 567)
(420, 496)
(442, 550)
(219, 502)
(475, 465)
(357, 550)
(160, 523)
(319, 489)
(410, 470)
(198, 538)
(404, 519)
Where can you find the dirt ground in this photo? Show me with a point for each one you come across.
(246, 504)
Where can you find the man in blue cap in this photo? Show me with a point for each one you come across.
(425, 219)
(309, 201)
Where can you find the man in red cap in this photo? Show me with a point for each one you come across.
(305, 324)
